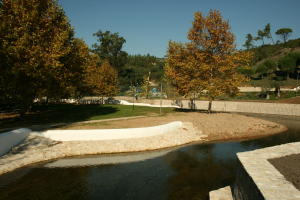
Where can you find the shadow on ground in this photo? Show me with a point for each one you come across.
(57, 113)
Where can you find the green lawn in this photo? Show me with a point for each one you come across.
(63, 113)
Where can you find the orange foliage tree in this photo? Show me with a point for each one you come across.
(36, 41)
(102, 80)
(209, 62)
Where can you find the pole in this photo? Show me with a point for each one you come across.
(160, 97)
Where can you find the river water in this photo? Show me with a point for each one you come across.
(185, 172)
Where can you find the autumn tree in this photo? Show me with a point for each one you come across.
(209, 62)
(34, 36)
(102, 80)
(145, 87)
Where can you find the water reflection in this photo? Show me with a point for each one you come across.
(188, 172)
(197, 170)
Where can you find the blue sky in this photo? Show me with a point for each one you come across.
(147, 26)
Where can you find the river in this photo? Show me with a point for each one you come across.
(185, 172)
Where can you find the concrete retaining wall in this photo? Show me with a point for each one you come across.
(108, 134)
(231, 106)
(259, 89)
(12, 138)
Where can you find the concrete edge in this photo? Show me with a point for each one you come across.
(108, 134)
(12, 138)
(220, 194)
(126, 103)
(265, 179)
(256, 178)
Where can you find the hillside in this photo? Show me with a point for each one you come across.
(274, 52)
(276, 56)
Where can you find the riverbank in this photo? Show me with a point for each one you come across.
(196, 127)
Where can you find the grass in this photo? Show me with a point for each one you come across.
(64, 113)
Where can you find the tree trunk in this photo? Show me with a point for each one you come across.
(268, 96)
(278, 94)
(102, 99)
(209, 107)
(272, 38)
(23, 110)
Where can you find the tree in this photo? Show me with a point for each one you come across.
(289, 62)
(34, 35)
(261, 34)
(75, 63)
(110, 48)
(102, 80)
(249, 42)
(270, 64)
(209, 62)
(267, 32)
(247, 70)
(145, 87)
(284, 33)
(262, 69)
(93, 74)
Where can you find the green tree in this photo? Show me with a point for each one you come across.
(270, 64)
(262, 69)
(248, 71)
(110, 48)
(34, 35)
(249, 42)
(267, 32)
(209, 62)
(284, 34)
(289, 62)
(261, 34)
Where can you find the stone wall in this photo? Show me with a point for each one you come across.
(224, 106)
(256, 178)
(231, 106)
(258, 89)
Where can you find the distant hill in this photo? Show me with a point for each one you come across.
(274, 52)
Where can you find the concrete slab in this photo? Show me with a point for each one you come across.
(12, 138)
(108, 134)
